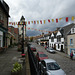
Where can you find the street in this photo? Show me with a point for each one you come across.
(65, 63)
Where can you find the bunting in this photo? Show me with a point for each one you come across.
(52, 20)
(34, 22)
(37, 22)
(42, 21)
(72, 18)
(56, 20)
(48, 20)
(31, 21)
(28, 22)
(60, 18)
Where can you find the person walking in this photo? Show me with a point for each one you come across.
(71, 55)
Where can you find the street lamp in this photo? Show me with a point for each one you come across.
(22, 22)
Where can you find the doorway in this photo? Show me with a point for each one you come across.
(61, 48)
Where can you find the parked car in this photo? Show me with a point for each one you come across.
(32, 48)
(51, 50)
(41, 55)
(50, 67)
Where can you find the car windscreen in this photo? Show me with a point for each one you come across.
(53, 66)
(42, 55)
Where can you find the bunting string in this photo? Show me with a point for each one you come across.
(43, 21)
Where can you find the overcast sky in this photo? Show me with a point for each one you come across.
(34, 10)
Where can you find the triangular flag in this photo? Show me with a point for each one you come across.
(31, 21)
(34, 22)
(23, 23)
(25, 27)
(52, 20)
(44, 21)
(48, 20)
(28, 22)
(41, 21)
(72, 18)
(37, 22)
(56, 20)
(28, 28)
(60, 18)
(14, 23)
(66, 19)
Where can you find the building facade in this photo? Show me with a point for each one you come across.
(71, 41)
(4, 15)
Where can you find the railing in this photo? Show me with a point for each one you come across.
(34, 66)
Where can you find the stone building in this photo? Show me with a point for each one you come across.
(4, 15)
(71, 41)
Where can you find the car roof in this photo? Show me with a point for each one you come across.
(49, 60)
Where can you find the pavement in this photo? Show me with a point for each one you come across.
(64, 54)
(8, 58)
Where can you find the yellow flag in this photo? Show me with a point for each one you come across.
(72, 18)
(52, 20)
(16, 23)
(37, 22)
(44, 21)
(20, 22)
(60, 18)
(32, 21)
(26, 22)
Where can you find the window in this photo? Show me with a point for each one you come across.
(52, 39)
(58, 39)
(71, 41)
(73, 30)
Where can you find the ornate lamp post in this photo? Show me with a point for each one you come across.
(22, 22)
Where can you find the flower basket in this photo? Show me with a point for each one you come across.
(16, 73)
(17, 69)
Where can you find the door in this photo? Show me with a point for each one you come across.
(61, 48)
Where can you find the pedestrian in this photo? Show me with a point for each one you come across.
(71, 55)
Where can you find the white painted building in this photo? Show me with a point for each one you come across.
(56, 41)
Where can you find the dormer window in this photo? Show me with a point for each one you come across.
(72, 30)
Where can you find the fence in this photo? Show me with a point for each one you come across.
(34, 66)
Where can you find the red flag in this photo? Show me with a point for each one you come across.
(48, 20)
(12, 23)
(56, 20)
(28, 28)
(34, 22)
(66, 19)
(23, 23)
(18, 23)
(28, 22)
(41, 21)
(25, 27)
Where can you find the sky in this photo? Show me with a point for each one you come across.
(34, 10)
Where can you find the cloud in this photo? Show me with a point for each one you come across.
(34, 10)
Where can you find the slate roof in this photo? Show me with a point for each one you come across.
(64, 30)
(69, 33)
